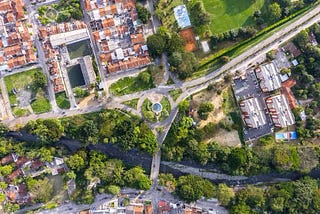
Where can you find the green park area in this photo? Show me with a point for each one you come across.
(232, 14)
(63, 11)
(152, 116)
(132, 103)
(27, 89)
(129, 85)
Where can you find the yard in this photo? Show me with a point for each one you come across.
(129, 85)
(232, 14)
(219, 126)
(24, 96)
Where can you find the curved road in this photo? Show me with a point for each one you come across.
(189, 87)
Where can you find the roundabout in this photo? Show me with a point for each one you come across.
(155, 108)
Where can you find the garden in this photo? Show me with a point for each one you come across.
(27, 92)
(150, 115)
(63, 11)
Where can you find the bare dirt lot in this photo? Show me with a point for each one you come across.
(223, 105)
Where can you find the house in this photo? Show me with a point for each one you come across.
(56, 166)
(279, 110)
(268, 77)
(252, 113)
(18, 194)
(164, 207)
(292, 48)
(286, 90)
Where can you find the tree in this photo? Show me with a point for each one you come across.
(274, 10)
(89, 132)
(184, 105)
(5, 170)
(76, 162)
(80, 93)
(11, 208)
(144, 77)
(155, 45)
(240, 209)
(113, 189)
(136, 178)
(225, 59)
(143, 14)
(41, 190)
(168, 181)
(48, 130)
(191, 188)
(302, 39)
(204, 109)
(285, 71)
(198, 14)
(39, 79)
(224, 194)
(187, 66)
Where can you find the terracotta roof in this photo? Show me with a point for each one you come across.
(137, 38)
(36, 164)
(5, 6)
(7, 159)
(21, 161)
(138, 209)
(286, 90)
(108, 23)
(15, 174)
(12, 50)
(13, 38)
(292, 49)
(10, 17)
(148, 209)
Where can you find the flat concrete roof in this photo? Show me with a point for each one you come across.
(69, 37)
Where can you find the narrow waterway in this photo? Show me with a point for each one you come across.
(134, 157)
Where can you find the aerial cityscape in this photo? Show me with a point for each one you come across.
(159, 106)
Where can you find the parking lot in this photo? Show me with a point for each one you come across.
(248, 87)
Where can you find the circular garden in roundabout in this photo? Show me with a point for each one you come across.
(156, 108)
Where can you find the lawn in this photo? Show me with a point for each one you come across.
(41, 104)
(129, 85)
(232, 14)
(62, 100)
(19, 81)
(132, 103)
(166, 108)
(79, 49)
(20, 112)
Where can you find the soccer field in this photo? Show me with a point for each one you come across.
(232, 14)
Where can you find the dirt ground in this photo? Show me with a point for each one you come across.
(224, 137)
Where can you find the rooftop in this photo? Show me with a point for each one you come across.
(252, 113)
(279, 110)
(269, 77)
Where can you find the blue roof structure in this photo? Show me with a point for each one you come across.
(181, 15)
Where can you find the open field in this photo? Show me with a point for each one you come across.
(232, 14)
(41, 104)
(220, 118)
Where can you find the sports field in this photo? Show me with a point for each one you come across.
(232, 14)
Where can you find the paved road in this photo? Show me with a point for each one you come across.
(41, 56)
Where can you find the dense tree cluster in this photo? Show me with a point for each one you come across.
(307, 76)
(301, 196)
(107, 126)
(143, 13)
(181, 62)
(109, 175)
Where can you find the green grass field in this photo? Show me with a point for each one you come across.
(41, 104)
(18, 81)
(132, 103)
(129, 85)
(232, 14)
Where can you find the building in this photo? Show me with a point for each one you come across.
(269, 77)
(182, 17)
(16, 45)
(118, 34)
(280, 112)
(252, 113)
